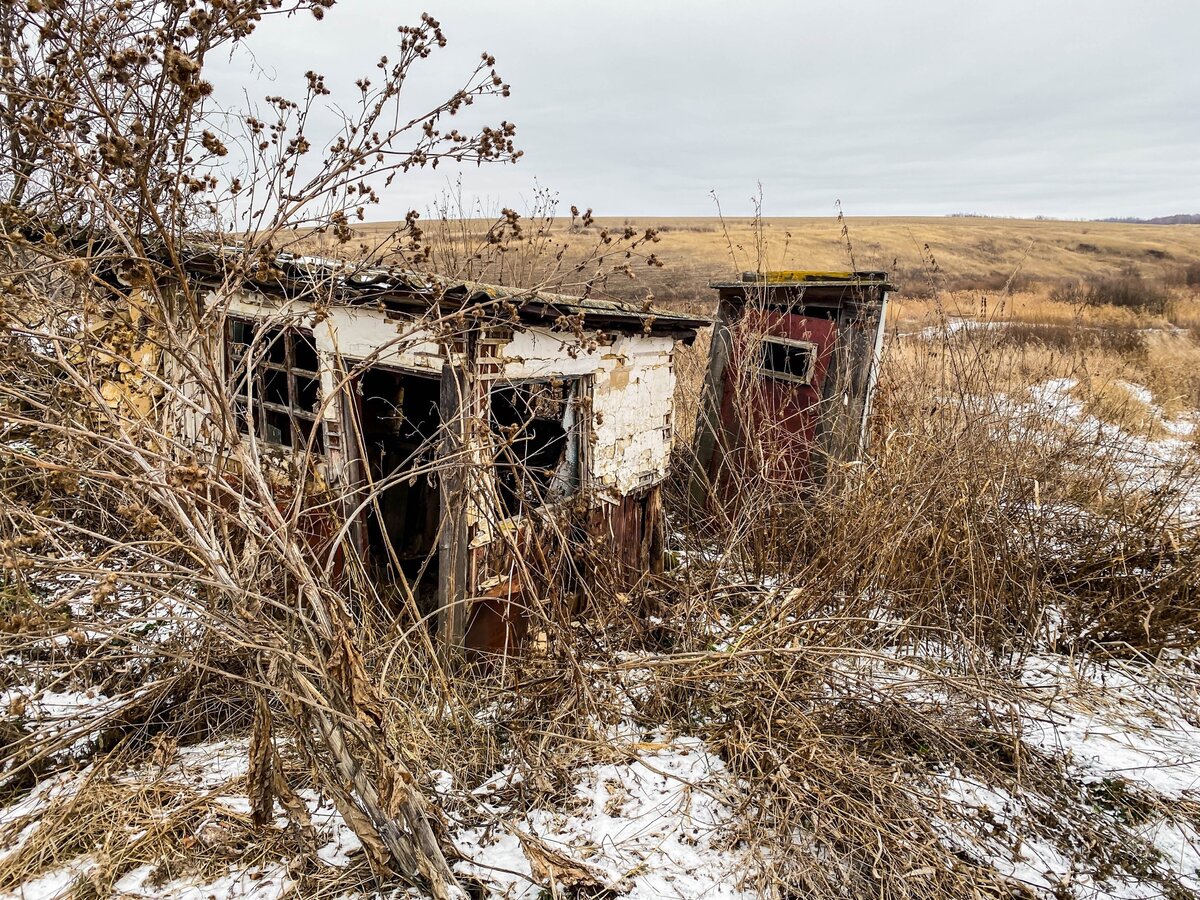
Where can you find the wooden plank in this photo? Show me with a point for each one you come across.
(876, 362)
(454, 540)
(847, 401)
(655, 529)
(353, 470)
(708, 422)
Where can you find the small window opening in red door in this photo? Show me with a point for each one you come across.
(788, 360)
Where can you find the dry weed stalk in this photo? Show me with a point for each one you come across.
(114, 170)
(966, 528)
(124, 465)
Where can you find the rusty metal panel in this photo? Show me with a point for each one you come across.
(615, 543)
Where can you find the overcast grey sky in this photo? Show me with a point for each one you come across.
(1070, 108)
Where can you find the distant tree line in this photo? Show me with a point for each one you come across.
(1178, 219)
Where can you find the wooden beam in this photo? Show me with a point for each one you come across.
(708, 422)
(454, 540)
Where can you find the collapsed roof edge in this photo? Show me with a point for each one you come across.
(390, 287)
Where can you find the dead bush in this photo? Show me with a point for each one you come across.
(1129, 290)
(1127, 342)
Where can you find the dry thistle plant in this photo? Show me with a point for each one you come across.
(116, 180)
(207, 584)
(223, 566)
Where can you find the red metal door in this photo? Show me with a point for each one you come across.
(770, 408)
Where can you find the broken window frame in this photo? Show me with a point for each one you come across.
(248, 383)
(564, 484)
(789, 344)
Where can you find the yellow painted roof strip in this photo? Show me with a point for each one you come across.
(789, 275)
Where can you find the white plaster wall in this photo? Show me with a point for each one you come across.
(632, 408)
(632, 398)
(354, 333)
(259, 306)
(541, 353)
(633, 379)
(359, 333)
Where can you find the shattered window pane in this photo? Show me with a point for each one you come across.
(536, 433)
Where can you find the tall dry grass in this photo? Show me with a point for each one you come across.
(980, 527)
(840, 650)
(840, 647)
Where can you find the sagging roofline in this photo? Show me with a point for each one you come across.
(303, 277)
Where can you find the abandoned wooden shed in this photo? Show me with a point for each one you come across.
(792, 370)
(459, 422)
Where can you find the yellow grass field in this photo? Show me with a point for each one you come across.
(967, 253)
(958, 253)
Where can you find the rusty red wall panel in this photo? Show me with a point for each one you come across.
(499, 620)
(627, 530)
(626, 542)
(754, 427)
(779, 417)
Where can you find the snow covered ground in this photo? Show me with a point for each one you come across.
(651, 827)
(1109, 809)
(1127, 741)
(657, 818)
(1146, 462)
(656, 826)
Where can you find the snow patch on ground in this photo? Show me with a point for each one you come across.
(51, 712)
(341, 843)
(213, 763)
(55, 884)
(1146, 463)
(1003, 833)
(1117, 721)
(1003, 839)
(1179, 844)
(255, 883)
(20, 819)
(1121, 730)
(657, 826)
(213, 770)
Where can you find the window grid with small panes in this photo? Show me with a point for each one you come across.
(274, 374)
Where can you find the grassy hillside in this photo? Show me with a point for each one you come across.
(968, 253)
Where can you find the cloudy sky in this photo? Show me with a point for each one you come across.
(1068, 108)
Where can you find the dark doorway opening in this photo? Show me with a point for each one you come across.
(399, 418)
